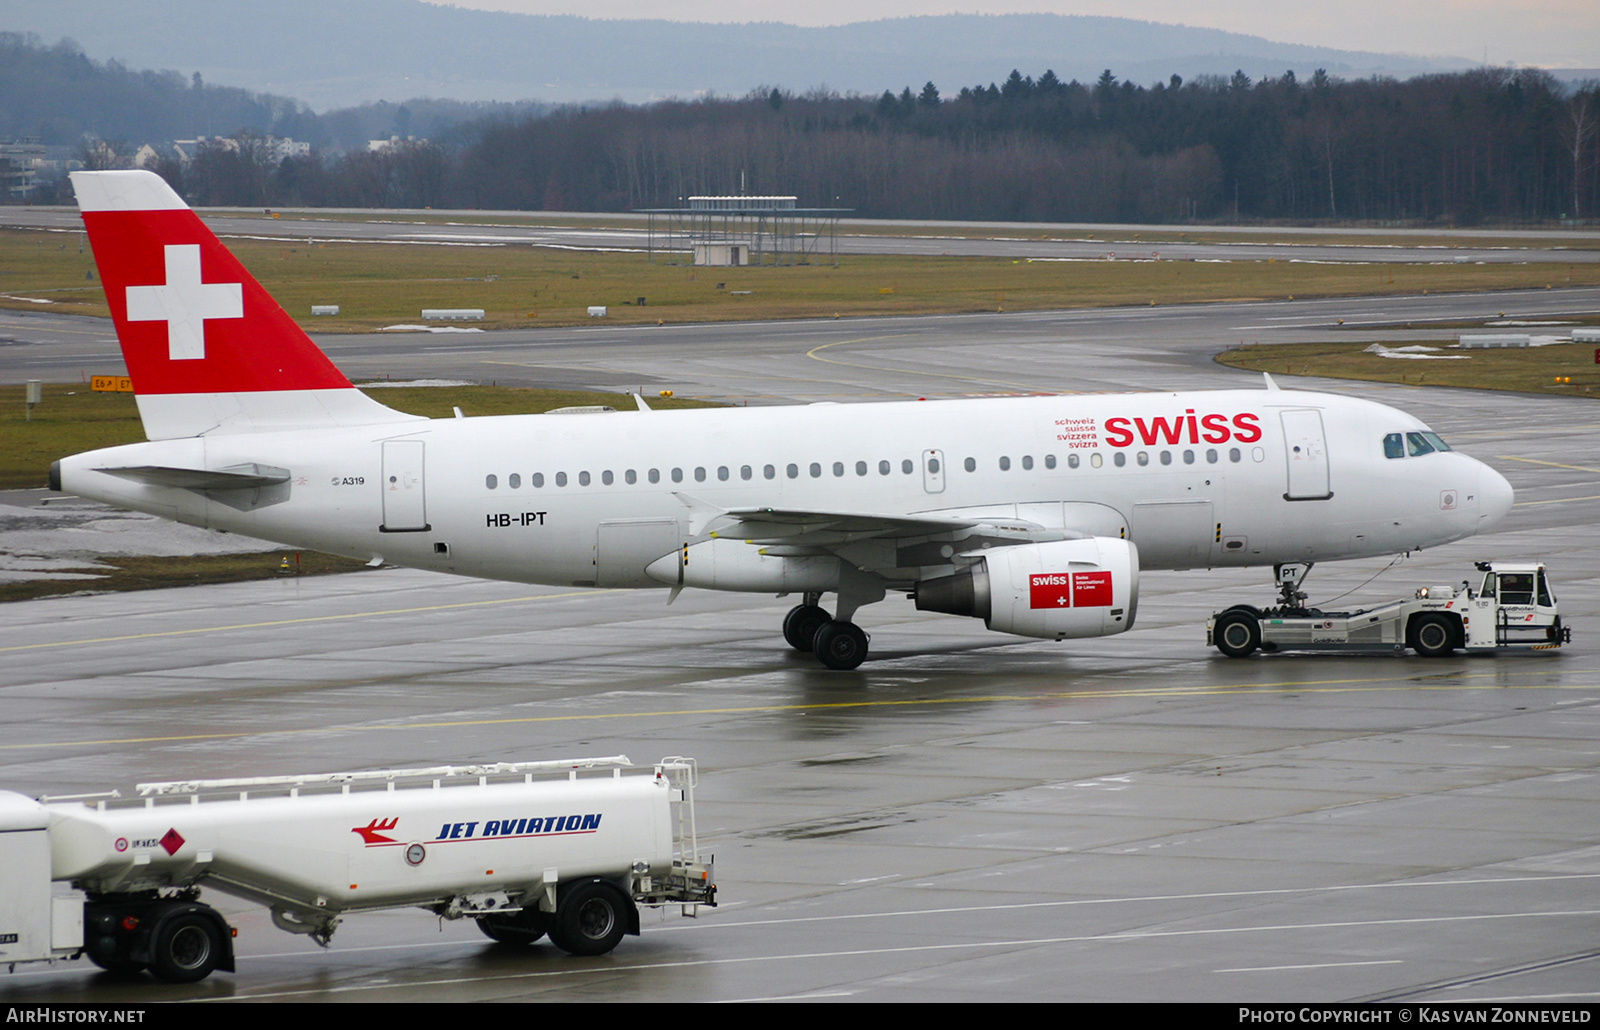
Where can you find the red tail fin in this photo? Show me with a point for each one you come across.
(207, 348)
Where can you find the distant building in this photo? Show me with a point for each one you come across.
(378, 146)
(21, 162)
(733, 231)
(273, 149)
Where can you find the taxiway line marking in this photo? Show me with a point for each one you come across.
(815, 356)
(1310, 687)
(1318, 965)
(1555, 500)
(913, 949)
(307, 619)
(1552, 464)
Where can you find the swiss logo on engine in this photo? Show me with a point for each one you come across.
(1069, 590)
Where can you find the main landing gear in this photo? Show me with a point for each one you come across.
(837, 643)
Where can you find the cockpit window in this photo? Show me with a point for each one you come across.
(1516, 588)
(1396, 445)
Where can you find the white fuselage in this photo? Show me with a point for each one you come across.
(1195, 479)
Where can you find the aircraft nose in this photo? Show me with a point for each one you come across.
(1494, 496)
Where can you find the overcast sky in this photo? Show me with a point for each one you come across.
(1548, 33)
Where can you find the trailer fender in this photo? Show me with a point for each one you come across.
(179, 941)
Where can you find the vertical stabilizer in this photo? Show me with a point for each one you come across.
(209, 351)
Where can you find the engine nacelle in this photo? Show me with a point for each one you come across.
(1055, 590)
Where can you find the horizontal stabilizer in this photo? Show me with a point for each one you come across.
(234, 477)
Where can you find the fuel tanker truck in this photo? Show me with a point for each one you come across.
(568, 849)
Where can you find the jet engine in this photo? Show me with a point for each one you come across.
(1055, 590)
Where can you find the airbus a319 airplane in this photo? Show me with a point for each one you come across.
(1034, 514)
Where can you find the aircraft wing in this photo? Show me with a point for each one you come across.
(873, 540)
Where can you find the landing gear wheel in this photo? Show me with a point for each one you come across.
(1236, 633)
(186, 949)
(591, 919)
(840, 645)
(801, 624)
(1433, 636)
(523, 927)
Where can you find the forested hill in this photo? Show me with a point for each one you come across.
(55, 93)
(1486, 145)
(359, 51)
(1489, 145)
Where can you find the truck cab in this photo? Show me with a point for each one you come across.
(1512, 605)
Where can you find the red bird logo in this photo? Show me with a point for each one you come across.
(370, 835)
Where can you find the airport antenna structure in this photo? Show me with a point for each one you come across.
(732, 231)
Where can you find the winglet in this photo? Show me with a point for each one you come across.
(1272, 385)
(701, 514)
(638, 399)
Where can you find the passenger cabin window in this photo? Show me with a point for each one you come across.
(491, 481)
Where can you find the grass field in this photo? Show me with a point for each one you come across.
(135, 573)
(379, 285)
(1562, 370)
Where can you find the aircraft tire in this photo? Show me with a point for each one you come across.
(1236, 633)
(801, 624)
(1433, 636)
(840, 645)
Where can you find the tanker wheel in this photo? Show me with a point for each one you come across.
(522, 928)
(115, 966)
(801, 624)
(1433, 636)
(186, 949)
(1236, 633)
(591, 919)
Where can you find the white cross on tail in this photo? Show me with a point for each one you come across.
(184, 303)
